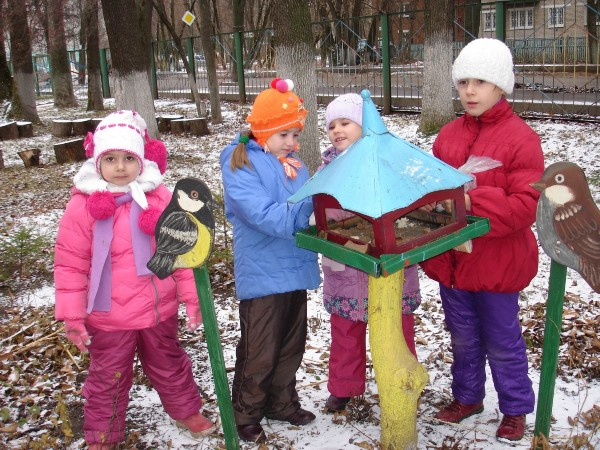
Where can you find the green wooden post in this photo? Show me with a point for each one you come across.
(239, 57)
(385, 64)
(215, 353)
(104, 74)
(556, 293)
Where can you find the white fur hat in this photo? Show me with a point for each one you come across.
(122, 130)
(346, 106)
(485, 59)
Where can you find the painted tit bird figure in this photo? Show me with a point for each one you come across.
(185, 229)
(568, 220)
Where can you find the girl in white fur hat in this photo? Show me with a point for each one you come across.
(112, 305)
(480, 290)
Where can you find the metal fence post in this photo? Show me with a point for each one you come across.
(104, 74)
(239, 56)
(191, 56)
(500, 21)
(387, 74)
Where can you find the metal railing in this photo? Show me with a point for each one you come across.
(555, 53)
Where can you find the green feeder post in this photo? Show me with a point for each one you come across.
(556, 293)
(215, 353)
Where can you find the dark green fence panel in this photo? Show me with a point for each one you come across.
(556, 56)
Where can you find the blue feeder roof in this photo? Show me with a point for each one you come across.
(380, 172)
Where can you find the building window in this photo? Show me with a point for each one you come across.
(489, 20)
(556, 17)
(521, 18)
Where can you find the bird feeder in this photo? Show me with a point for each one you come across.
(380, 182)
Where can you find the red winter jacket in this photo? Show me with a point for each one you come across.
(505, 259)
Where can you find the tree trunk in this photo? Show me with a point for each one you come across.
(437, 107)
(23, 97)
(295, 60)
(92, 39)
(5, 75)
(130, 61)
(59, 58)
(211, 67)
(168, 23)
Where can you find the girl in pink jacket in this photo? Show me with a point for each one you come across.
(112, 305)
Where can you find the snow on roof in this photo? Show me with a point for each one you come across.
(380, 172)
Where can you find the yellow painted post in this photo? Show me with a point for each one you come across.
(400, 377)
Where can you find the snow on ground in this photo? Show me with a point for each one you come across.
(577, 142)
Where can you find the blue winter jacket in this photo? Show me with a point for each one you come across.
(266, 258)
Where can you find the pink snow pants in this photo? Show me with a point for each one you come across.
(110, 377)
(348, 354)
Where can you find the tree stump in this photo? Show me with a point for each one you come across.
(196, 126)
(81, 127)
(164, 122)
(30, 157)
(69, 151)
(62, 128)
(9, 131)
(25, 129)
(177, 126)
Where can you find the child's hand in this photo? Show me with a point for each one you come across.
(428, 207)
(77, 333)
(194, 317)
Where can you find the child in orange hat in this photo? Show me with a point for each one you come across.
(261, 170)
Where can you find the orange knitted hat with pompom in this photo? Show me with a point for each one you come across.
(276, 109)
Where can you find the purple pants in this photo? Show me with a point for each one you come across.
(348, 354)
(486, 324)
(110, 377)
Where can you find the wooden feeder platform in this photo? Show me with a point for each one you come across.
(345, 243)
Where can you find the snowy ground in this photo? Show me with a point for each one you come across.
(575, 394)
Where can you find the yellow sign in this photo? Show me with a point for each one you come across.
(188, 18)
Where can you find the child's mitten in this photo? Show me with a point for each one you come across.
(77, 333)
(194, 316)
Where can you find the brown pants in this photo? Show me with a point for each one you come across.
(270, 350)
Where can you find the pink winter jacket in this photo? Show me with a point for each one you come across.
(137, 301)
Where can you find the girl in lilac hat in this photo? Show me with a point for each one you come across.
(346, 289)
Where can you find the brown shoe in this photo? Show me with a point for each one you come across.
(511, 428)
(300, 417)
(335, 404)
(252, 432)
(456, 411)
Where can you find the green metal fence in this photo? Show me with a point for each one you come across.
(556, 56)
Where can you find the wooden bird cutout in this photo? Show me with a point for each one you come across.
(568, 220)
(185, 229)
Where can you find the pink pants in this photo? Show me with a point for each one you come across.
(110, 377)
(348, 354)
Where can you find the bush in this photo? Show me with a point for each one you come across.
(26, 260)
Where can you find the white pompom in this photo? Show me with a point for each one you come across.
(290, 84)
